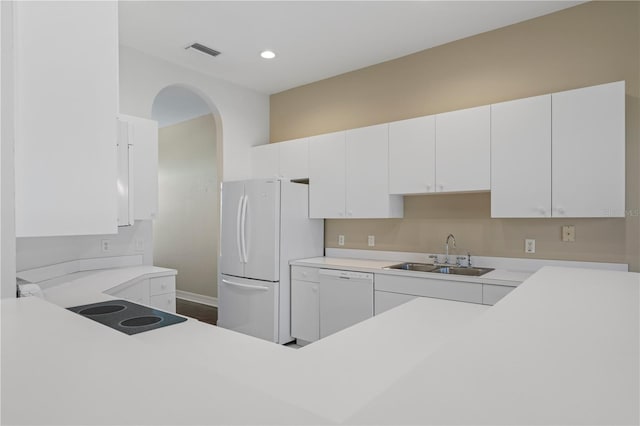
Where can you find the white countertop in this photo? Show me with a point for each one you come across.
(562, 348)
(497, 276)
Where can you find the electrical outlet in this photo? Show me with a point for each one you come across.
(105, 245)
(371, 241)
(529, 246)
(340, 240)
(569, 233)
(139, 244)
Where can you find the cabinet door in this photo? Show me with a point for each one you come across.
(412, 148)
(385, 300)
(463, 148)
(265, 161)
(588, 152)
(305, 314)
(144, 137)
(521, 158)
(367, 160)
(327, 176)
(294, 158)
(65, 157)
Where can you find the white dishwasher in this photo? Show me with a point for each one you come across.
(346, 298)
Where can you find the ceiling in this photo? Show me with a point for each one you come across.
(313, 40)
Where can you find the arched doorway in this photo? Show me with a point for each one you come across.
(186, 232)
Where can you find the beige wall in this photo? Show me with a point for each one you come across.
(186, 230)
(593, 43)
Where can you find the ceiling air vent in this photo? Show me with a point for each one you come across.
(204, 49)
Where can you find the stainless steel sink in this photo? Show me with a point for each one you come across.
(422, 267)
(460, 270)
(439, 269)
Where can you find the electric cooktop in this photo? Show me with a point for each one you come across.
(127, 317)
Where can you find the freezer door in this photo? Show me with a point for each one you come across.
(249, 307)
(262, 230)
(231, 244)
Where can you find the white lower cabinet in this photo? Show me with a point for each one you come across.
(385, 300)
(137, 291)
(429, 287)
(305, 303)
(162, 293)
(491, 294)
(305, 313)
(157, 292)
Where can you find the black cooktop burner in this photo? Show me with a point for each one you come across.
(127, 317)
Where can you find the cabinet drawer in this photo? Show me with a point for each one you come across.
(161, 285)
(304, 273)
(429, 287)
(492, 293)
(165, 302)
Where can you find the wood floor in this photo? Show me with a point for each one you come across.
(201, 312)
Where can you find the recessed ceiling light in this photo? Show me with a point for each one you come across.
(267, 54)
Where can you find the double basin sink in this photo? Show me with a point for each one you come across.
(440, 269)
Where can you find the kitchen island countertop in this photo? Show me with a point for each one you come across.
(562, 348)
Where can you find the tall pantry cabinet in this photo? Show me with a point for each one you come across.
(66, 58)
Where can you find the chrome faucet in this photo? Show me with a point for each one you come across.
(446, 246)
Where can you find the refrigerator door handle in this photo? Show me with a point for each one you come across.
(243, 229)
(238, 225)
(251, 287)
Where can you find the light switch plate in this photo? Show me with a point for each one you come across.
(569, 233)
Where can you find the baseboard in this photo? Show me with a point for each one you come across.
(198, 298)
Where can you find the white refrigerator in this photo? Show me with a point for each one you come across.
(264, 225)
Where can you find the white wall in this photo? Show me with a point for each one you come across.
(7, 215)
(242, 115)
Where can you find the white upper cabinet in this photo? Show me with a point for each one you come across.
(289, 159)
(265, 161)
(521, 158)
(588, 152)
(143, 138)
(327, 174)
(348, 175)
(367, 161)
(65, 157)
(412, 148)
(463, 159)
(294, 158)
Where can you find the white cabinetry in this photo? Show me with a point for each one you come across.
(158, 292)
(491, 294)
(305, 314)
(412, 149)
(162, 293)
(560, 155)
(588, 152)
(265, 161)
(385, 300)
(348, 175)
(430, 287)
(136, 291)
(289, 159)
(66, 164)
(463, 150)
(521, 158)
(327, 174)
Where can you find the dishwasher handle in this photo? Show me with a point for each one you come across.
(347, 275)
